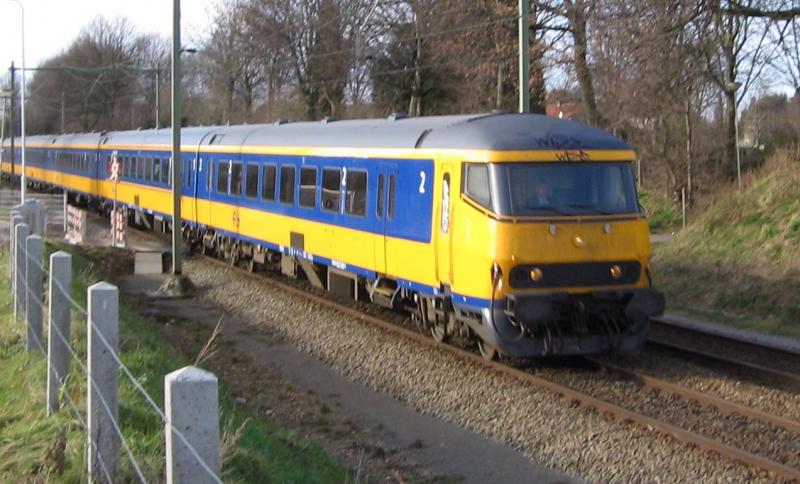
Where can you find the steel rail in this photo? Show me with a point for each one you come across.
(719, 334)
(722, 405)
(777, 374)
(566, 392)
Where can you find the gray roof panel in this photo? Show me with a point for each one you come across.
(500, 132)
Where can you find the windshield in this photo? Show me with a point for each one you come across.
(582, 188)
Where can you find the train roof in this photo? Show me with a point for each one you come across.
(490, 131)
(500, 132)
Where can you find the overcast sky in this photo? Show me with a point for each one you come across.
(50, 25)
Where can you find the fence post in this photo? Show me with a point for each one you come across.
(20, 234)
(39, 213)
(33, 292)
(64, 211)
(59, 314)
(191, 404)
(103, 320)
(16, 219)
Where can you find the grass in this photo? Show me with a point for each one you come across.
(661, 212)
(740, 259)
(34, 447)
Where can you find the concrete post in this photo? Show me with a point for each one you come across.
(58, 330)
(103, 320)
(30, 213)
(20, 234)
(39, 212)
(33, 293)
(16, 219)
(191, 404)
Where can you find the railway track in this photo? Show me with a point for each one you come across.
(768, 362)
(573, 394)
(781, 464)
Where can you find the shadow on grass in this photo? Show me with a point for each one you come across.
(737, 292)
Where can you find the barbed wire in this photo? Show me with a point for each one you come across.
(71, 402)
(92, 382)
(137, 385)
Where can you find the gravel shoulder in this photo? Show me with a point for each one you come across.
(379, 437)
(578, 441)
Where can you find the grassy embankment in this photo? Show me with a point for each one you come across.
(36, 448)
(661, 212)
(739, 261)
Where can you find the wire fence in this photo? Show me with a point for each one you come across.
(36, 295)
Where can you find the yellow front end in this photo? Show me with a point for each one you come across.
(523, 276)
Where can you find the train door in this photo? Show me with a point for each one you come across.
(386, 199)
(203, 182)
(444, 246)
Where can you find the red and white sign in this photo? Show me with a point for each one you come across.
(76, 225)
(119, 227)
(114, 168)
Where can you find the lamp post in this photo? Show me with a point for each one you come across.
(22, 120)
(176, 138)
(732, 88)
(524, 57)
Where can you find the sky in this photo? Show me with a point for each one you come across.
(50, 25)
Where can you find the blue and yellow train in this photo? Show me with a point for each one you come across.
(521, 232)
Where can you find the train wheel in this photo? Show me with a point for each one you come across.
(488, 352)
(439, 331)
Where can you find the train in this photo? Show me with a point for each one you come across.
(519, 233)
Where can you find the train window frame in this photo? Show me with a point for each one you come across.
(303, 202)
(249, 178)
(157, 170)
(140, 168)
(465, 189)
(379, 206)
(290, 200)
(349, 202)
(148, 168)
(392, 188)
(235, 186)
(336, 205)
(272, 186)
(166, 172)
(222, 169)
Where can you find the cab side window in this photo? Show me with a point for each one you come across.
(476, 183)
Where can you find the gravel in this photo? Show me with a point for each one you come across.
(778, 399)
(753, 436)
(541, 425)
(745, 352)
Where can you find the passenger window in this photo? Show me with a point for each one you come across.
(268, 182)
(287, 184)
(148, 169)
(236, 179)
(140, 168)
(157, 170)
(476, 185)
(331, 181)
(223, 170)
(381, 191)
(166, 173)
(356, 192)
(390, 212)
(251, 190)
(308, 187)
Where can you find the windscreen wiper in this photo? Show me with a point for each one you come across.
(592, 208)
